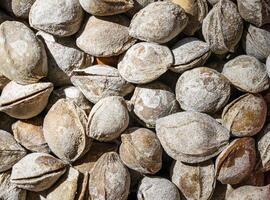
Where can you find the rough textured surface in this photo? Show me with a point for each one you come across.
(141, 150)
(194, 181)
(152, 26)
(105, 36)
(263, 146)
(23, 57)
(18, 8)
(247, 74)
(138, 5)
(250, 192)
(145, 62)
(58, 17)
(191, 137)
(202, 89)
(223, 26)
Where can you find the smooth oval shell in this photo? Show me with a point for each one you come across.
(202, 89)
(263, 146)
(149, 25)
(37, 171)
(66, 136)
(105, 36)
(191, 137)
(100, 81)
(18, 8)
(23, 57)
(145, 62)
(247, 74)
(108, 119)
(250, 192)
(245, 116)
(194, 181)
(141, 150)
(189, 53)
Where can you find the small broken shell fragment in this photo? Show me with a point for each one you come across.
(194, 181)
(250, 192)
(191, 137)
(37, 171)
(245, 116)
(141, 150)
(237, 161)
(10, 151)
(263, 146)
(105, 7)
(25, 101)
(157, 188)
(109, 179)
(145, 62)
(100, 81)
(153, 101)
(189, 53)
(149, 25)
(108, 119)
(66, 136)
(29, 134)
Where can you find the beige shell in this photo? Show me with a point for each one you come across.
(105, 7)
(149, 25)
(109, 179)
(157, 188)
(194, 181)
(8, 190)
(247, 74)
(65, 130)
(250, 192)
(202, 89)
(25, 101)
(10, 151)
(105, 36)
(58, 17)
(23, 57)
(191, 137)
(37, 171)
(263, 148)
(18, 8)
(189, 53)
(108, 119)
(141, 150)
(29, 134)
(145, 62)
(100, 81)
(245, 116)
(223, 27)
(138, 5)
(237, 161)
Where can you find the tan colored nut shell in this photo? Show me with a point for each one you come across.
(250, 192)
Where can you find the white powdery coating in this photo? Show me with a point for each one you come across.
(250, 192)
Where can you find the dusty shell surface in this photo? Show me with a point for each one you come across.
(109, 179)
(25, 101)
(29, 134)
(268, 65)
(157, 188)
(105, 36)
(263, 147)
(8, 190)
(153, 101)
(149, 25)
(194, 181)
(189, 53)
(256, 41)
(145, 62)
(141, 150)
(191, 137)
(58, 17)
(10, 151)
(250, 192)
(37, 172)
(219, 34)
(255, 12)
(18, 8)
(237, 161)
(247, 74)
(23, 57)
(100, 81)
(202, 89)
(245, 116)
(105, 7)
(66, 136)
(108, 119)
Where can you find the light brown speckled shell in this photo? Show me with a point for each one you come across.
(250, 192)
(18, 8)
(263, 146)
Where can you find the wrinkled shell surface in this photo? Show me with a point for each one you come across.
(263, 147)
(250, 192)
(18, 8)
